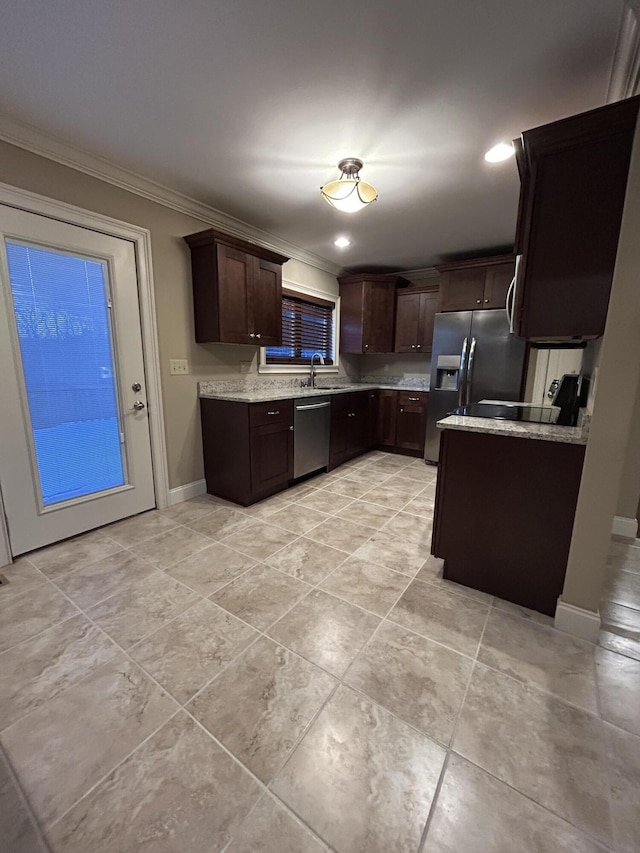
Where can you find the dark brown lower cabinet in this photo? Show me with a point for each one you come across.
(411, 421)
(387, 412)
(349, 426)
(402, 421)
(504, 514)
(248, 448)
(374, 406)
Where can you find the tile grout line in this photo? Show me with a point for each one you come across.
(586, 833)
(449, 750)
(434, 802)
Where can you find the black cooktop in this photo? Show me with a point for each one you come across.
(505, 412)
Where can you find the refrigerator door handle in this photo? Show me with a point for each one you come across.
(513, 287)
(472, 352)
(463, 371)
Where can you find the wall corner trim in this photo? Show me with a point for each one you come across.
(576, 621)
(627, 527)
(186, 492)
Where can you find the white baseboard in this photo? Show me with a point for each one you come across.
(627, 527)
(186, 492)
(574, 620)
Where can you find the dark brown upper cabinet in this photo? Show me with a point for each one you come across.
(367, 312)
(415, 315)
(237, 290)
(573, 177)
(475, 284)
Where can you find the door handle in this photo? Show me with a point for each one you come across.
(313, 406)
(463, 370)
(138, 405)
(472, 352)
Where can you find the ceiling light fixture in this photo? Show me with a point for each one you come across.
(342, 242)
(349, 193)
(501, 151)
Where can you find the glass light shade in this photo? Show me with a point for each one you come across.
(349, 194)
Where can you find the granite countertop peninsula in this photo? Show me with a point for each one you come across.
(518, 429)
(263, 390)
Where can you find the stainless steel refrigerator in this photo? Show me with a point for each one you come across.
(474, 358)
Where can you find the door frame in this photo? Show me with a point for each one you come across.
(141, 240)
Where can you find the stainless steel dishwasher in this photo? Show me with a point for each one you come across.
(311, 422)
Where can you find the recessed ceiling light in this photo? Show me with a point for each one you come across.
(499, 152)
(342, 242)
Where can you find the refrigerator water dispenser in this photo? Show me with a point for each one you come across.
(448, 372)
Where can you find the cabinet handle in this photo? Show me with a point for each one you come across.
(419, 346)
(366, 346)
(277, 412)
(413, 346)
(291, 428)
(478, 301)
(486, 300)
(401, 409)
(414, 399)
(258, 336)
(251, 335)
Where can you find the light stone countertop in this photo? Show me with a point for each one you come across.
(517, 429)
(210, 391)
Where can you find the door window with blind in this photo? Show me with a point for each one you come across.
(308, 327)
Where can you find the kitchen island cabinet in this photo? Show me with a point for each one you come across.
(476, 283)
(573, 177)
(248, 448)
(367, 312)
(504, 513)
(237, 290)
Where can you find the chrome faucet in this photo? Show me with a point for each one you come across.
(312, 372)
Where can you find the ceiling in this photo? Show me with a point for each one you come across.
(248, 105)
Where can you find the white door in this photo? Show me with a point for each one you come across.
(75, 450)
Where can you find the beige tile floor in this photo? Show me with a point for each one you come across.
(297, 676)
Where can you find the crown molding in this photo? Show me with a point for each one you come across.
(624, 80)
(418, 275)
(46, 145)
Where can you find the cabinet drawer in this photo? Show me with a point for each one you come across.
(410, 398)
(275, 411)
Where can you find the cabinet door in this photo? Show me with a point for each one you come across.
(387, 412)
(358, 423)
(271, 457)
(266, 303)
(374, 401)
(235, 273)
(428, 308)
(339, 435)
(379, 315)
(462, 290)
(496, 285)
(411, 424)
(407, 321)
(574, 177)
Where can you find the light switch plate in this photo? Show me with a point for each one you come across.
(178, 365)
